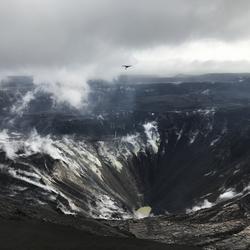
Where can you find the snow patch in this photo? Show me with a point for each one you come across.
(202, 205)
(132, 142)
(152, 134)
(179, 134)
(193, 136)
(213, 142)
(109, 156)
(228, 194)
(205, 92)
(107, 207)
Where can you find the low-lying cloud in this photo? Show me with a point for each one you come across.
(64, 43)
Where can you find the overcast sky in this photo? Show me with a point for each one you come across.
(80, 39)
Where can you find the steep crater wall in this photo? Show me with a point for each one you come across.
(173, 162)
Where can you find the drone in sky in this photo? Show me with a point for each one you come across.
(126, 66)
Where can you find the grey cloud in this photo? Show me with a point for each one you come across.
(58, 33)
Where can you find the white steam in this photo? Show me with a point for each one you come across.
(68, 86)
(19, 107)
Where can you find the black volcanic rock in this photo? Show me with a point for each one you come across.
(179, 145)
(24, 228)
(225, 226)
